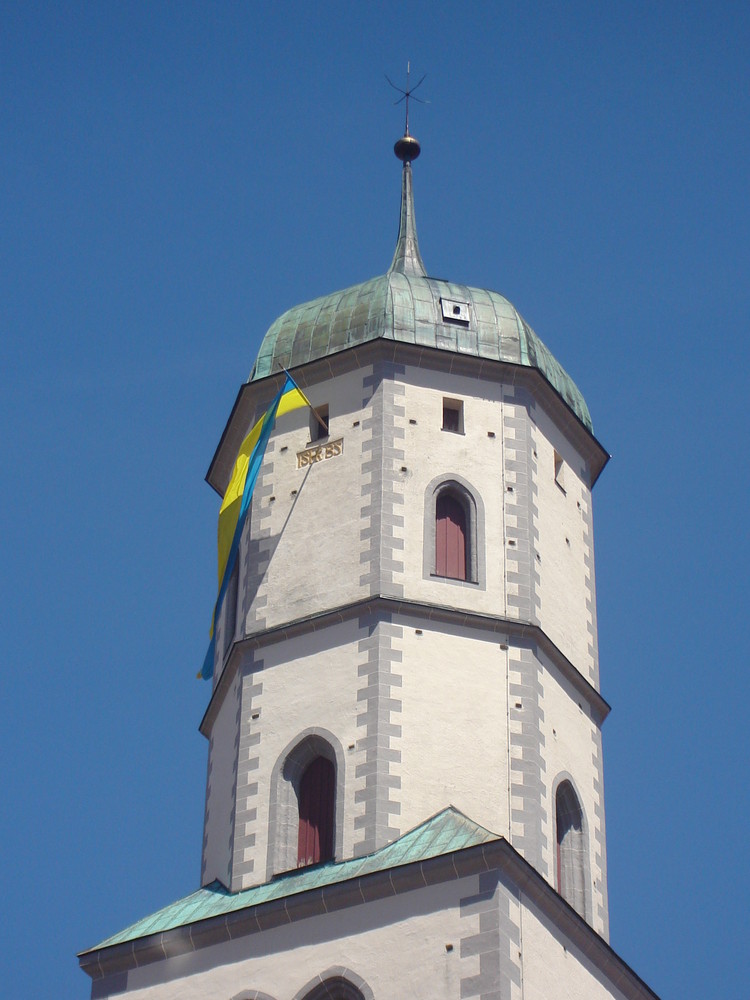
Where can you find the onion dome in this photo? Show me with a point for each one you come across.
(408, 306)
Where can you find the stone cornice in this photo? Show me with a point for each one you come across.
(254, 394)
(401, 606)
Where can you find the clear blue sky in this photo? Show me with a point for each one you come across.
(172, 177)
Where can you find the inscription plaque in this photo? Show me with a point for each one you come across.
(320, 452)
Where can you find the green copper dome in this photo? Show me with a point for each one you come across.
(408, 306)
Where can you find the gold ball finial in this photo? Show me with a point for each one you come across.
(407, 149)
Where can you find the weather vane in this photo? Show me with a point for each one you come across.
(406, 94)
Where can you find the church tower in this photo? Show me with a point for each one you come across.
(404, 793)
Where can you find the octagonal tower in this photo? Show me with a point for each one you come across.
(415, 590)
(405, 790)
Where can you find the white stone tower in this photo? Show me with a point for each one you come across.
(405, 792)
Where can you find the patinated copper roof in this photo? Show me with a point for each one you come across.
(406, 305)
(449, 830)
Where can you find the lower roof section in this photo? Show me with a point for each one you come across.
(447, 848)
(448, 831)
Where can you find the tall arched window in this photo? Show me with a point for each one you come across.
(317, 798)
(571, 848)
(453, 533)
(451, 536)
(306, 802)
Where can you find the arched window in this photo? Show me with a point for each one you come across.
(317, 801)
(343, 985)
(571, 848)
(306, 802)
(335, 989)
(453, 533)
(451, 536)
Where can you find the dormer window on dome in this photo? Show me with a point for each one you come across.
(455, 312)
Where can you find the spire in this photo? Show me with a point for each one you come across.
(407, 259)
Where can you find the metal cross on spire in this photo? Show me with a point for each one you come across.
(409, 92)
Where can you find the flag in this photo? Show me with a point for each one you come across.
(236, 502)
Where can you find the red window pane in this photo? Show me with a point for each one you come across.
(450, 537)
(316, 809)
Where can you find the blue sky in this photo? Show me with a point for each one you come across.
(175, 175)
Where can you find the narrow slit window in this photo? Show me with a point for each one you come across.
(453, 416)
(560, 471)
(319, 428)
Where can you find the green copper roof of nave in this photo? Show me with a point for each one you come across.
(408, 306)
(445, 832)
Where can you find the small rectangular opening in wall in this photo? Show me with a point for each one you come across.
(319, 428)
(560, 471)
(453, 416)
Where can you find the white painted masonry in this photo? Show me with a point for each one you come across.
(489, 724)
(312, 517)
(221, 790)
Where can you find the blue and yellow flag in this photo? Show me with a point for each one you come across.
(236, 502)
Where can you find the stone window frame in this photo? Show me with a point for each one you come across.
(283, 813)
(562, 778)
(336, 983)
(252, 995)
(471, 500)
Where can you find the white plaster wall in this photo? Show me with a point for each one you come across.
(477, 458)
(220, 791)
(569, 734)
(396, 945)
(317, 542)
(308, 682)
(315, 539)
(454, 703)
(552, 967)
(454, 717)
(563, 578)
